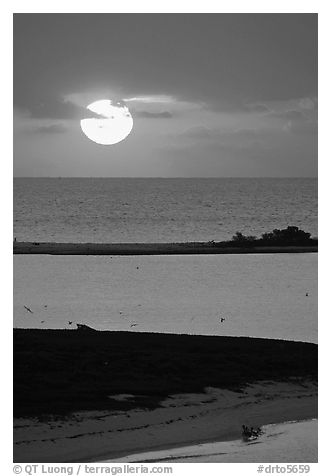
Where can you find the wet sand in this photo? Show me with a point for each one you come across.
(280, 442)
(60, 371)
(92, 396)
(185, 419)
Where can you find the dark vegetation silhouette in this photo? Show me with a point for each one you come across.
(290, 236)
(288, 240)
(240, 238)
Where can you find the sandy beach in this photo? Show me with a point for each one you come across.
(93, 396)
(181, 420)
(285, 442)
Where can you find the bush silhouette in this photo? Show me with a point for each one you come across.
(291, 235)
(240, 238)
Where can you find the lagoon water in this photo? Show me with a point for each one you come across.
(260, 295)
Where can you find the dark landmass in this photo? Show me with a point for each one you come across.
(60, 371)
(155, 248)
(289, 240)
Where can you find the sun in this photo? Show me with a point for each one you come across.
(114, 125)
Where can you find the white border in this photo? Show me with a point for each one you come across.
(162, 6)
(170, 6)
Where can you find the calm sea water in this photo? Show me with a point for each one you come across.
(157, 210)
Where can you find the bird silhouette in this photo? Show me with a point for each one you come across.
(307, 294)
(222, 319)
(28, 309)
(69, 322)
(42, 322)
(133, 325)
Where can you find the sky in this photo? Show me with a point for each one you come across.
(211, 95)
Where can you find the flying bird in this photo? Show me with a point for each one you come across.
(69, 322)
(307, 294)
(222, 319)
(28, 309)
(133, 325)
(42, 322)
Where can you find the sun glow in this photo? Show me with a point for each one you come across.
(113, 126)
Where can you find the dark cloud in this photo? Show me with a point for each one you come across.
(302, 127)
(245, 133)
(296, 122)
(56, 108)
(259, 108)
(51, 129)
(201, 136)
(223, 60)
(202, 132)
(308, 103)
(153, 115)
(289, 115)
(199, 132)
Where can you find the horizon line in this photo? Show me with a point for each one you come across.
(159, 177)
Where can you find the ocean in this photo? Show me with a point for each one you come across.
(159, 210)
(257, 295)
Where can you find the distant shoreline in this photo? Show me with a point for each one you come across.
(190, 248)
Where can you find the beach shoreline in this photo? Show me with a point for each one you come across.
(182, 420)
(130, 249)
(85, 395)
(303, 432)
(280, 403)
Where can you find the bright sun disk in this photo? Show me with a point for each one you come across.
(114, 126)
